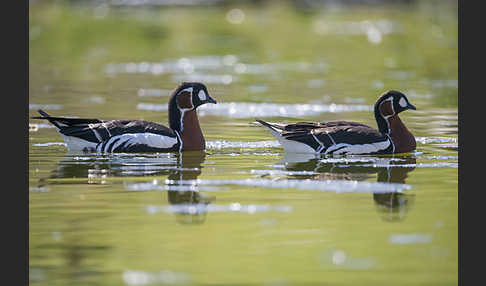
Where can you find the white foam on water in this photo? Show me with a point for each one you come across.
(39, 190)
(412, 238)
(185, 186)
(381, 26)
(440, 157)
(417, 165)
(360, 160)
(212, 208)
(152, 107)
(44, 106)
(139, 277)
(428, 140)
(337, 258)
(49, 144)
(229, 65)
(282, 173)
(36, 126)
(252, 110)
(206, 78)
(223, 144)
(153, 92)
(338, 186)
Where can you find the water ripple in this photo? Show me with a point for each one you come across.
(223, 144)
(282, 173)
(228, 65)
(252, 110)
(44, 106)
(410, 238)
(338, 186)
(49, 144)
(428, 140)
(205, 208)
(138, 277)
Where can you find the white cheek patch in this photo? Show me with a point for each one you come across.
(402, 102)
(202, 95)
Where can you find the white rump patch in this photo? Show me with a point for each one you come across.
(202, 95)
(295, 147)
(77, 144)
(402, 102)
(289, 145)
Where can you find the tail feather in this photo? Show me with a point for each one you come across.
(57, 121)
(43, 113)
(271, 126)
(46, 116)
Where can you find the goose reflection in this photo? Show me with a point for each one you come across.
(182, 170)
(189, 204)
(97, 167)
(391, 206)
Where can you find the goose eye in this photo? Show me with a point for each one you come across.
(402, 102)
(202, 95)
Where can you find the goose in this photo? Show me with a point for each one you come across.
(343, 137)
(125, 135)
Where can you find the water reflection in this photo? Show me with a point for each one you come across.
(96, 167)
(392, 206)
(182, 170)
(187, 199)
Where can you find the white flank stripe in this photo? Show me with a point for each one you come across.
(95, 132)
(109, 143)
(118, 143)
(149, 139)
(358, 148)
(107, 130)
(298, 147)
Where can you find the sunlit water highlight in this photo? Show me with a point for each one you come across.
(211, 208)
(252, 110)
(338, 186)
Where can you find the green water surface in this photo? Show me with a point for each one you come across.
(243, 212)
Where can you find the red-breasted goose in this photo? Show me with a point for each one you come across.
(125, 136)
(342, 137)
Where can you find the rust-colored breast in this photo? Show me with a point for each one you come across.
(403, 139)
(191, 135)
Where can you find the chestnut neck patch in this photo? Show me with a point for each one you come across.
(386, 109)
(184, 100)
